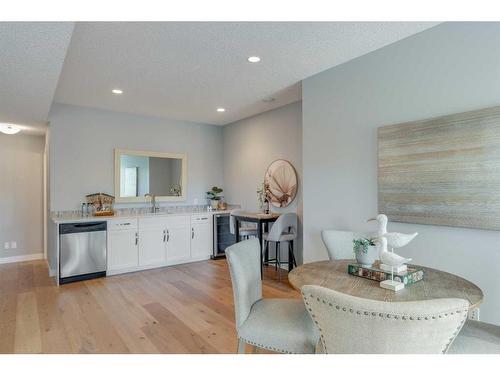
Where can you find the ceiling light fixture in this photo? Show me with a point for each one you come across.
(117, 91)
(221, 110)
(9, 129)
(254, 59)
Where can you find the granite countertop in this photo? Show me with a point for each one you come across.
(76, 217)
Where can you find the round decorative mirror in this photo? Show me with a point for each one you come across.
(280, 183)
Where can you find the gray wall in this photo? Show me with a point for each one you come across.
(451, 68)
(21, 189)
(250, 145)
(83, 140)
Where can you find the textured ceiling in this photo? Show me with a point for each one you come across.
(186, 70)
(31, 58)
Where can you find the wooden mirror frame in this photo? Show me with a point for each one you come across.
(183, 157)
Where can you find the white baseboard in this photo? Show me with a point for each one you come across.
(21, 258)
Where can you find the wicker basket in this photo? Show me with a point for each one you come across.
(103, 204)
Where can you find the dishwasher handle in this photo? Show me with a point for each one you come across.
(82, 227)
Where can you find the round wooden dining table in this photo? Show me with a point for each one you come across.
(436, 284)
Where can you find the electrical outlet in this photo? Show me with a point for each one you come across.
(474, 314)
(6, 245)
(13, 245)
(196, 201)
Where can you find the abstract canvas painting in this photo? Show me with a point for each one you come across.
(442, 171)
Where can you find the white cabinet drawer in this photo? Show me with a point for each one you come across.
(121, 224)
(200, 219)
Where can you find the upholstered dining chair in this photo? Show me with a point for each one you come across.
(477, 338)
(246, 231)
(281, 325)
(338, 243)
(349, 324)
(284, 229)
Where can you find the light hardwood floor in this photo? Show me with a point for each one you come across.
(180, 309)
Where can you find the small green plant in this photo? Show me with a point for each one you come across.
(176, 190)
(362, 244)
(261, 194)
(215, 194)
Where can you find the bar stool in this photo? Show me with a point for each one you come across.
(283, 230)
(246, 230)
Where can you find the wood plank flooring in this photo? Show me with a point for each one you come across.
(180, 309)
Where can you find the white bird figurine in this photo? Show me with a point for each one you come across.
(381, 220)
(394, 240)
(388, 258)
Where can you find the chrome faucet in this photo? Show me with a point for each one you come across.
(154, 207)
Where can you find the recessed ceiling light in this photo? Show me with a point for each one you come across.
(117, 91)
(9, 129)
(254, 59)
(221, 110)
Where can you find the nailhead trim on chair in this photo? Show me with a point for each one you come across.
(266, 347)
(381, 315)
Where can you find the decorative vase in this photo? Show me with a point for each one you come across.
(214, 203)
(367, 259)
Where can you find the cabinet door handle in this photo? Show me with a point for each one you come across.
(164, 236)
(168, 235)
(192, 233)
(136, 238)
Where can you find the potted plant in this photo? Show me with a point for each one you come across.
(365, 250)
(262, 198)
(176, 190)
(214, 196)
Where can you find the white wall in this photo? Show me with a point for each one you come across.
(451, 68)
(21, 189)
(82, 143)
(250, 145)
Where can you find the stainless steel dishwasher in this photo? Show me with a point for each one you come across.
(82, 249)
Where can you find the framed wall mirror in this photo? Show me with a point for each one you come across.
(138, 173)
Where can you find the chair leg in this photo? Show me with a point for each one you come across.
(278, 259)
(241, 346)
(266, 253)
(291, 260)
(276, 247)
(263, 260)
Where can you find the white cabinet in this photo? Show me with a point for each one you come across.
(152, 240)
(201, 237)
(178, 240)
(123, 249)
(149, 242)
